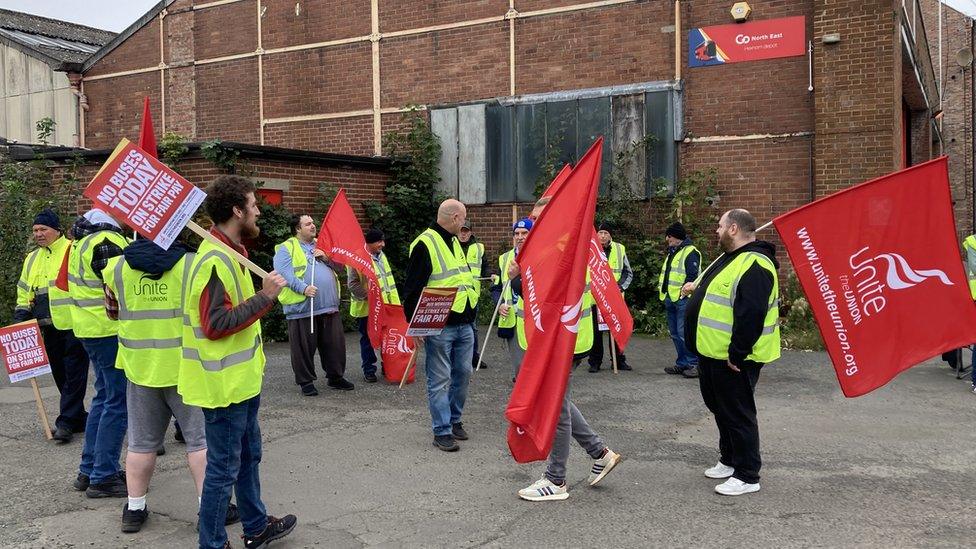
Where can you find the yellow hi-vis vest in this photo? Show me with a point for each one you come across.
(616, 259)
(150, 321)
(60, 300)
(677, 274)
(359, 308)
(216, 374)
(449, 268)
(476, 251)
(970, 245)
(713, 334)
(584, 330)
(39, 273)
(300, 263)
(504, 260)
(88, 318)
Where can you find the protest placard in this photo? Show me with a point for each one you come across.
(23, 354)
(430, 316)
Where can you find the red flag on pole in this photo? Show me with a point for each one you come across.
(397, 347)
(147, 138)
(609, 299)
(879, 264)
(553, 265)
(341, 238)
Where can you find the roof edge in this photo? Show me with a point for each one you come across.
(124, 35)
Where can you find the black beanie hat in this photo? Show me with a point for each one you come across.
(677, 230)
(48, 218)
(373, 235)
(605, 226)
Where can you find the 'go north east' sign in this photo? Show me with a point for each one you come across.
(770, 39)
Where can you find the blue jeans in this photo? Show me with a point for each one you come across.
(107, 417)
(676, 325)
(233, 456)
(448, 367)
(365, 347)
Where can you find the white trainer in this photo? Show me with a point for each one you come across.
(544, 490)
(603, 466)
(720, 470)
(735, 487)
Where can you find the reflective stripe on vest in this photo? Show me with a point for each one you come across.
(449, 268)
(358, 308)
(300, 263)
(616, 260)
(215, 374)
(88, 316)
(150, 321)
(677, 274)
(584, 329)
(969, 244)
(504, 260)
(713, 334)
(39, 272)
(476, 251)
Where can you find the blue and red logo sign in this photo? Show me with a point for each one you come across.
(770, 39)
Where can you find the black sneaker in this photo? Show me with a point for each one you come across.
(309, 390)
(342, 385)
(446, 443)
(625, 367)
(161, 451)
(370, 378)
(277, 528)
(673, 370)
(458, 431)
(132, 521)
(594, 369)
(81, 483)
(111, 488)
(691, 372)
(63, 435)
(233, 515)
(484, 365)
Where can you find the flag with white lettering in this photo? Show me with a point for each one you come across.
(880, 266)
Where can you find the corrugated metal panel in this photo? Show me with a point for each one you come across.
(39, 40)
(471, 154)
(628, 127)
(444, 124)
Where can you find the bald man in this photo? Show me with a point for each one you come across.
(437, 260)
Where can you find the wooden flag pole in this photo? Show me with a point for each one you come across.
(411, 362)
(205, 234)
(40, 410)
(613, 352)
(491, 324)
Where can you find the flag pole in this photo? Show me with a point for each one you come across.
(416, 347)
(41, 411)
(491, 324)
(311, 299)
(205, 234)
(613, 353)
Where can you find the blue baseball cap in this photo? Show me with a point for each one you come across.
(524, 223)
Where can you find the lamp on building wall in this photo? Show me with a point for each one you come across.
(741, 11)
(831, 38)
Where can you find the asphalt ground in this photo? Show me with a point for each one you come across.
(893, 468)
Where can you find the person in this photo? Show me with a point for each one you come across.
(436, 260)
(98, 238)
(35, 292)
(358, 304)
(143, 292)
(222, 365)
(474, 252)
(506, 309)
(680, 266)
(617, 260)
(732, 325)
(552, 486)
(292, 260)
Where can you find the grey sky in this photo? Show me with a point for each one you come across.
(113, 15)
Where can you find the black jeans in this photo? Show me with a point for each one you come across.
(69, 366)
(596, 352)
(328, 339)
(729, 396)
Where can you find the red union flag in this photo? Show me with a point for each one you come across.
(880, 266)
(609, 299)
(152, 199)
(341, 238)
(553, 264)
(397, 347)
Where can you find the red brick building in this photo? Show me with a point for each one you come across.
(497, 77)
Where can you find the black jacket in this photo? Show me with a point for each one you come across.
(692, 264)
(418, 274)
(146, 256)
(749, 308)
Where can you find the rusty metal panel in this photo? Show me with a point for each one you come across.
(444, 124)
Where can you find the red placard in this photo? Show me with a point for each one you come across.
(145, 193)
(770, 39)
(430, 316)
(23, 351)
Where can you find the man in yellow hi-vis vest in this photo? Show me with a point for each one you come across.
(222, 365)
(507, 307)
(680, 266)
(474, 252)
(36, 296)
(436, 260)
(359, 301)
(733, 326)
(309, 303)
(617, 260)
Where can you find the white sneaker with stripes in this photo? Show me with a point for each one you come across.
(720, 470)
(603, 466)
(544, 490)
